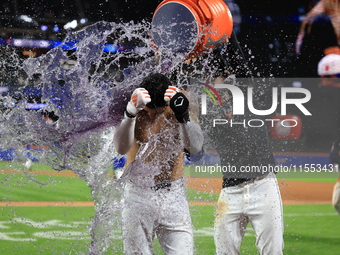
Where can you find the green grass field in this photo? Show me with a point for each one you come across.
(309, 229)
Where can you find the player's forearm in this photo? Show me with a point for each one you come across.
(192, 137)
(124, 135)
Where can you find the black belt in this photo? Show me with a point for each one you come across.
(233, 182)
(161, 186)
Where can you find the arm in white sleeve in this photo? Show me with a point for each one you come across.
(192, 137)
(124, 135)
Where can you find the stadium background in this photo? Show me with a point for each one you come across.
(268, 29)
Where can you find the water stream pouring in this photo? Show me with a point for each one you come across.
(191, 27)
(89, 101)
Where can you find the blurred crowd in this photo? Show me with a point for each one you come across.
(290, 45)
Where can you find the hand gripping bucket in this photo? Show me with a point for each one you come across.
(190, 27)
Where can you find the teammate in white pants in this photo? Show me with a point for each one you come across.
(335, 158)
(154, 133)
(256, 201)
(247, 196)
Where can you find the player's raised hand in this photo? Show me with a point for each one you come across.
(140, 97)
(178, 102)
(170, 92)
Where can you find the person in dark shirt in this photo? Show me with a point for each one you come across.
(250, 192)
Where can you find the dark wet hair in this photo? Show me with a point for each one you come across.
(156, 84)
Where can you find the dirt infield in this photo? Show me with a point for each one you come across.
(292, 192)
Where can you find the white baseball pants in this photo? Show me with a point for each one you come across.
(336, 197)
(258, 202)
(164, 212)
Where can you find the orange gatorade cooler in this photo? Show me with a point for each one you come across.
(189, 28)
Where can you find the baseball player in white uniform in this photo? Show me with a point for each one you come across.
(329, 72)
(247, 196)
(335, 158)
(154, 133)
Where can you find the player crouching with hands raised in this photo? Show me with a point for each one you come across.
(154, 133)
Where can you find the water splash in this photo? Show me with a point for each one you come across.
(86, 91)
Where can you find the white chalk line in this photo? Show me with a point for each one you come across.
(8, 229)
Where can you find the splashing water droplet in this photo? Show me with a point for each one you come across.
(84, 92)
